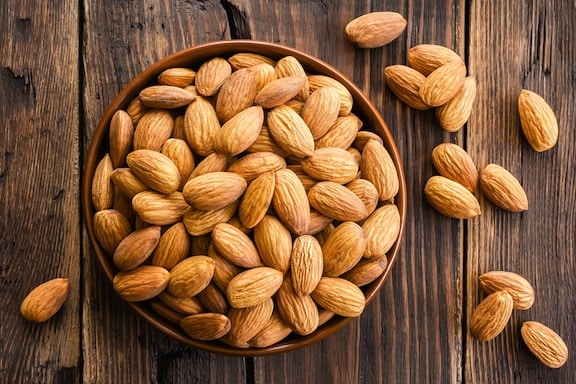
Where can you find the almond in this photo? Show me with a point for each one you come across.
(503, 189)
(406, 82)
(240, 131)
(266, 143)
(179, 152)
(213, 299)
(120, 137)
(253, 286)
(545, 344)
(123, 204)
(191, 276)
(274, 243)
(237, 94)
(450, 198)
(306, 264)
(199, 222)
(235, 246)
(213, 190)
(538, 121)
(141, 283)
(291, 202)
(136, 110)
(125, 180)
(318, 222)
(178, 77)
(153, 129)
(165, 97)
(173, 247)
(300, 313)
(264, 74)
(366, 191)
(155, 170)
(290, 131)
(135, 248)
(248, 59)
(321, 110)
(45, 300)
(273, 331)
(224, 271)
(331, 164)
(375, 29)
(159, 209)
(247, 322)
(443, 84)
(102, 188)
(183, 305)
(214, 162)
(336, 201)
(211, 75)
(381, 229)
(252, 165)
(453, 162)
(378, 168)
(456, 112)
(320, 81)
(366, 271)
(426, 58)
(206, 326)
(341, 134)
(518, 287)
(257, 199)
(306, 180)
(290, 66)
(166, 312)
(110, 228)
(343, 249)
(279, 91)
(339, 296)
(363, 137)
(491, 316)
(201, 126)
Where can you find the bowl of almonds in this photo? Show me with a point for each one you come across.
(244, 198)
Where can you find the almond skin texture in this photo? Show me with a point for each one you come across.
(165, 97)
(443, 84)
(306, 264)
(381, 229)
(341, 134)
(191, 276)
(247, 60)
(160, 209)
(319, 81)
(125, 180)
(343, 249)
(339, 296)
(331, 164)
(366, 271)
(253, 286)
(153, 129)
(240, 131)
(366, 191)
(110, 228)
(450, 198)
(257, 199)
(206, 326)
(538, 121)
(141, 283)
(375, 29)
(235, 246)
(45, 300)
(201, 126)
(155, 170)
(199, 222)
(336, 201)
(378, 168)
(518, 287)
(290, 131)
(426, 58)
(247, 322)
(213, 190)
(491, 316)
(279, 91)
(274, 243)
(178, 77)
(252, 165)
(453, 162)
(300, 313)
(274, 331)
(211, 75)
(545, 344)
(406, 82)
(102, 188)
(183, 305)
(237, 94)
(321, 110)
(455, 113)
(173, 247)
(136, 247)
(503, 189)
(121, 137)
(179, 152)
(291, 202)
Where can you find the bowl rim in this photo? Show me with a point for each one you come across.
(189, 57)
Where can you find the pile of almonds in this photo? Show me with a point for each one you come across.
(244, 201)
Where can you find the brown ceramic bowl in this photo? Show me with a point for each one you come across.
(191, 58)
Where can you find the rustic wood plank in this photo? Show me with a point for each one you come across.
(412, 331)
(120, 40)
(39, 187)
(513, 46)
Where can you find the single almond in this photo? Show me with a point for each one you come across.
(165, 97)
(136, 110)
(206, 326)
(366, 191)
(214, 162)
(381, 228)
(290, 131)
(135, 248)
(141, 283)
(518, 287)
(300, 313)
(153, 129)
(252, 165)
(45, 300)
(336, 201)
(102, 188)
(257, 199)
(173, 247)
(545, 344)
(321, 110)
(290, 66)
(291, 202)
(491, 316)
(341, 134)
(343, 249)
(183, 305)
(213, 190)
(406, 82)
(199, 222)
(331, 164)
(273, 331)
(451, 198)
(191, 276)
(253, 286)
(155, 170)
(306, 264)
(160, 209)
(319, 81)
(264, 74)
(125, 180)
(247, 322)
(339, 296)
(121, 137)
(279, 91)
(237, 94)
(211, 75)
(378, 168)
(453, 162)
(538, 121)
(201, 126)
(375, 29)
(178, 77)
(248, 59)
(110, 228)
(456, 112)
(213, 299)
(503, 189)
(240, 131)
(366, 271)
(274, 243)
(443, 84)
(179, 152)
(426, 58)
(235, 246)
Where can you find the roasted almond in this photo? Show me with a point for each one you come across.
(518, 287)
(253, 286)
(236, 94)
(173, 247)
(366, 271)
(366, 191)
(102, 188)
(491, 316)
(453, 162)
(538, 121)
(456, 112)
(300, 313)
(155, 170)
(224, 271)
(179, 152)
(141, 283)
(443, 84)
(183, 305)
(279, 91)
(290, 66)
(406, 82)
(45, 300)
(247, 322)
(199, 222)
(178, 77)
(273, 331)
(214, 162)
(125, 180)
(319, 81)
(503, 189)
(545, 344)
(252, 165)
(191, 276)
(213, 190)
(248, 59)
(375, 29)
(341, 134)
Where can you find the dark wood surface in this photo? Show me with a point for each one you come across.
(62, 62)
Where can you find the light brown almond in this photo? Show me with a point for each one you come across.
(451, 198)
(165, 97)
(247, 322)
(253, 286)
(141, 283)
(291, 202)
(375, 29)
(538, 121)
(366, 191)
(224, 271)
(453, 162)
(490, 317)
(45, 300)
(211, 75)
(173, 247)
(339, 296)
(336, 201)
(341, 134)
(183, 305)
(255, 164)
(240, 131)
(363, 137)
(153, 129)
(331, 164)
(321, 110)
(290, 66)
(443, 84)
(237, 94)
(235, 246)
(381, 229)
(266, 143)
(179, 152)
(214, 162)
(273, 331)
(178, 77)
(206, 326)
(343, 249)
(274, 243)
(279, 91)
(155, 170)
(426, 58)
(191, 276)
(290, 131)
(213, 190)
(110, 228)
(503, 189)
(199, 222)
(248, 59)
(121, 137)
(135, 248)
(160, 209)
(456, 112)
(518, 287)
(378, 168)
(545, 344)
(136, 110)
(306, 264)
(213, 299)
(366, 271)
(318, 222)
(102, 188)
(257, 199)
(319, 81)
(300, 313)
(125, 180)
(307, 180)
(406, 82)
(201, 126)
(264, 74)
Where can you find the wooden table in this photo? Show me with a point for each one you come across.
(62, 62)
